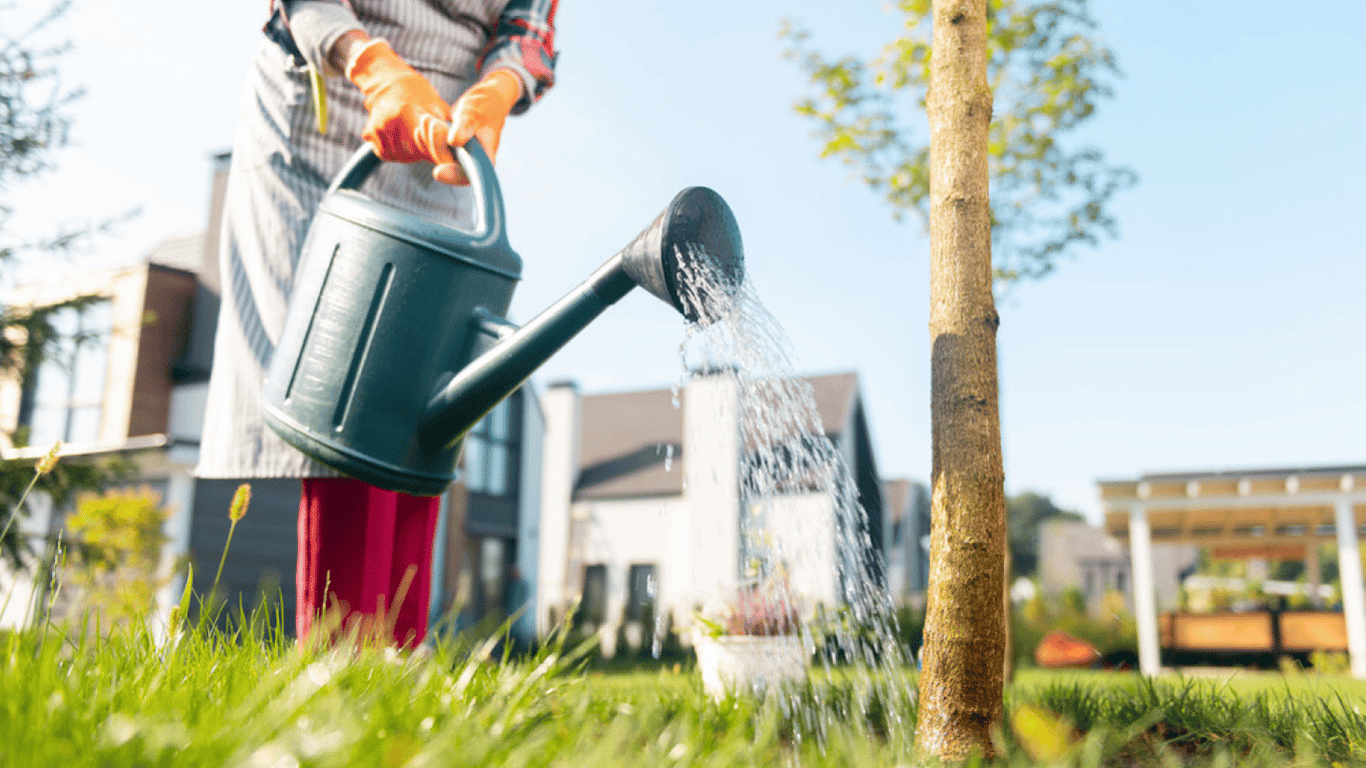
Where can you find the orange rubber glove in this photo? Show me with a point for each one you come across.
(480, 113)
(408, 118)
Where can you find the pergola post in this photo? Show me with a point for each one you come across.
(1349, 571)
(1145, 601)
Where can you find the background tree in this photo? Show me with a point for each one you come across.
(1025, 515)
(1049, 191)
(34, 127)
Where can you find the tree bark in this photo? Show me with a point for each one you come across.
(961, 684)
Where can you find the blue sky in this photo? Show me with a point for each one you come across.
(1222, 330)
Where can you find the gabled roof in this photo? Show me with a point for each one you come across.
(835, 395)
(631, 443)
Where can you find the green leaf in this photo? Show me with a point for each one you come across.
(1048, 72)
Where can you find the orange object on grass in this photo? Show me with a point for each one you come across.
(1059, 649)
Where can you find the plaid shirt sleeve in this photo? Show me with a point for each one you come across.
(525, 43)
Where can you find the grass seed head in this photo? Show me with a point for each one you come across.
(50, 460)
(240, 501)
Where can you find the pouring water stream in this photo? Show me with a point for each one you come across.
(786, 451)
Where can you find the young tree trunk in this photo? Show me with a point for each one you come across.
(961, 683)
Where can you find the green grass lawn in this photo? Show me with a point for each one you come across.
(249, 698)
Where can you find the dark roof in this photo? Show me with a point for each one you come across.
(631, 443)
(625, 441)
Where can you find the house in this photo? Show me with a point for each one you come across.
(108, 385)
(130, 376)
(642, 509)
(907, 505)
(1075, 555)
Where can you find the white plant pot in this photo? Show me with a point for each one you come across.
(739, 663)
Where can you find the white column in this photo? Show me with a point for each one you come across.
(1145, 603)
(711, 487)
(535, 620)
(1349, 571)
(560, 405)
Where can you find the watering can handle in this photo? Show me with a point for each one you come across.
(488, 196)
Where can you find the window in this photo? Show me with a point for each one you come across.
(64, 397)
(640, 600)
(493, 578)
(491, 448)
(593, 606)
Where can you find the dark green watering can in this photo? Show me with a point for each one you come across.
(395, 343)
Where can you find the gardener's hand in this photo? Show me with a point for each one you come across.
(407, 120)
(480, 113)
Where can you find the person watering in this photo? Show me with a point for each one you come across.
(328, 75)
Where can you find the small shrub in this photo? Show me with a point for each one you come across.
(1330, 662)
(116, 569)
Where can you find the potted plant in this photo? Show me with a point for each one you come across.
(756, 645)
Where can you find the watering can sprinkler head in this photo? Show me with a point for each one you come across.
(689, 254)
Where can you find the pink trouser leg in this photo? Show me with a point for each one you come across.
(356, 544)
(414, 532)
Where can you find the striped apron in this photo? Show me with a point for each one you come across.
(281, 166)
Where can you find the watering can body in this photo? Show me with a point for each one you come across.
(395, 343)
(386, 306)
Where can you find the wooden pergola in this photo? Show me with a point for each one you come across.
(1281, 513)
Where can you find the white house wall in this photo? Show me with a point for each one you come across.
(559, 409)
(619, 534)
(711, 486)
(801, 529)
(19, 591)
(693, 539)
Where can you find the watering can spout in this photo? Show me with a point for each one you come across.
(394, 347)
(690, 257)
